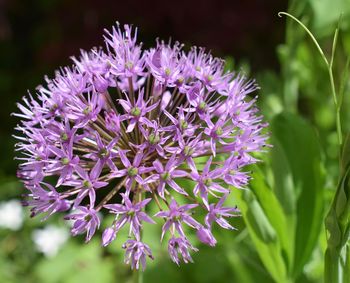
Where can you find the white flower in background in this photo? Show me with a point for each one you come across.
(11, 215)
(50, 239)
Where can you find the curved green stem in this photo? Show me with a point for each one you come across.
(309, 32)
(329, 65)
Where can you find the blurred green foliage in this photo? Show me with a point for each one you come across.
(281, 236)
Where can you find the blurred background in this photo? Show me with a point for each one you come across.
(39, 36)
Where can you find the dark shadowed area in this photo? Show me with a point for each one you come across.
(37, 37)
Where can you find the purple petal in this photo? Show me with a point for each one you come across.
(96, 170)
(124, 159)
(178, 173)
(144, 217)
(137, 159)
(207, 166)
(108, 236)
(206, 237)
(176, 187)
(125, 104)
(158, 166)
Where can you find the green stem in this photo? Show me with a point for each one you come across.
(329, 65)
(331, 272)
(309, 32)
(334, 92)
(138, 276)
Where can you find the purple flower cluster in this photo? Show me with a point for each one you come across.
(116, 132)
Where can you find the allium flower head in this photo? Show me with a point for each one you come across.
(115, 132)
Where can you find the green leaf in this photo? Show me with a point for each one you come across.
(245, 263)
(273, 210)
(284, 186)
(297, 149)
(262, 233)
